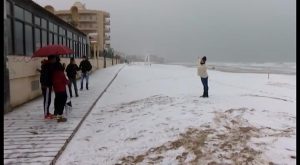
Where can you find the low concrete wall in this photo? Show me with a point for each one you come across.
(25, 80)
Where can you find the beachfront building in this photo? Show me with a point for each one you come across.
(28, 26)
(94, 23)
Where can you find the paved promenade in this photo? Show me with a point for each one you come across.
(30, 139)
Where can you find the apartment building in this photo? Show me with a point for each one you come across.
(94, 23)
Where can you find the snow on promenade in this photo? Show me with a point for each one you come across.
(154, 115)
(29, 139)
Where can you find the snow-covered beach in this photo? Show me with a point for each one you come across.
(154, 115)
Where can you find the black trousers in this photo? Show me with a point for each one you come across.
(47, 99)
(59, 102)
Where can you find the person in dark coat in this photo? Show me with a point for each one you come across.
(85, 67)
(71, 70)
(59, 81)
(46, 84)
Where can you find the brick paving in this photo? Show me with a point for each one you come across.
(30, 139)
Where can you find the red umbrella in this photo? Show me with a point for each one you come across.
(52, 50)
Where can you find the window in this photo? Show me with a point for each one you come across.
(68, 43)
(51, 26)
(55, 28)
(71, 44)
(82, 54)
(44, 38)
(64, 41)
(75, 37)
(28, 40)
(83, 49)
(19, 47)
(19, 12)
(69, 34)
(74, 48)
(62, 31)
(37, 21)
(60, 40)
(79, 52)
(37, 38)
(50, 38)
(55, 41)
(9, 36)
(44, 24)
(8, 8)
(28, 16)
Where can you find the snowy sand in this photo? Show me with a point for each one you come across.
(154, 115)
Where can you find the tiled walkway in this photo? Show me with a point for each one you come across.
(30, 139)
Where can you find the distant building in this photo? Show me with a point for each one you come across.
(95, 23)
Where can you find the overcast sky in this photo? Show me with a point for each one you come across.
(182, 30)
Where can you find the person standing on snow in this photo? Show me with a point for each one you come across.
(46, 84)
(85, 67)
(202, 72)
(71, 70)
(59, 81)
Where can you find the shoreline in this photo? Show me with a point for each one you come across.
(271, 68)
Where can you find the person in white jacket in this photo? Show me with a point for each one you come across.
(202, 72)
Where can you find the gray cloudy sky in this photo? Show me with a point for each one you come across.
(182, 30)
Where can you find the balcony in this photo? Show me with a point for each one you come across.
(87, 20)
(106, 15)
(107, 37)
(107, 30)
(87, 30)
(107, 22)
(107, 45)
(107, 42)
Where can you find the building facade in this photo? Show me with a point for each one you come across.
(94, 23)
(31, 27)
(28, 26)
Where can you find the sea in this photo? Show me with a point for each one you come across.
(270, 67)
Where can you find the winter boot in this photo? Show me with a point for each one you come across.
(60, 118)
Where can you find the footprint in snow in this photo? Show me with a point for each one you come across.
(113, 125)
(102, 148)
(142, 131)
(87, 138)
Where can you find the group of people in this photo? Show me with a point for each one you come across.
(52, 76)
